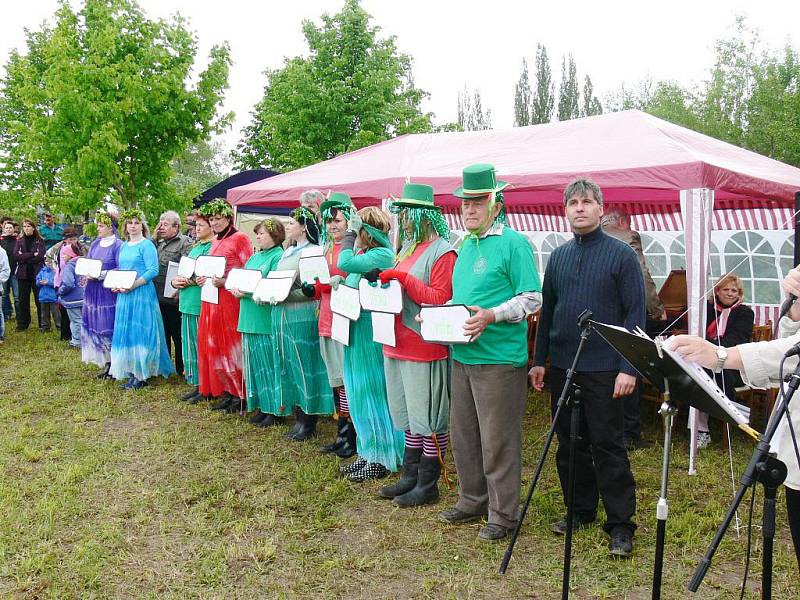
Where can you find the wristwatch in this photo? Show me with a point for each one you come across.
(722, 356)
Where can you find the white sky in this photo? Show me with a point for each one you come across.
(458, 42)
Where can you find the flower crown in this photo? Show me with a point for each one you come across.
(103, 218)
(218, 207)
(132, 213)
(302, 213)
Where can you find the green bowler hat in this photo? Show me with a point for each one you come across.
(416, 195)
(479, 180)
(337, 200)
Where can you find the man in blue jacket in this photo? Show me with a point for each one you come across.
(601, 273)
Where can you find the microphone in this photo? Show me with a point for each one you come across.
(786, 306)
(793, 351)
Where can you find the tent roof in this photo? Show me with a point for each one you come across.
(633, 156)
(220, 190)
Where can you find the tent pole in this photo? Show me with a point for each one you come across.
(796, 228)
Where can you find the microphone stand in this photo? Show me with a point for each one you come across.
(667, 411)
(770, 472)
(586, 329)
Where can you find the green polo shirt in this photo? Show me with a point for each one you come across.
(255, 318)
(189, 297)
(489, 271)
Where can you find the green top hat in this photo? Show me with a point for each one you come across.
(416, 195)
(337, 200)
(479, 180)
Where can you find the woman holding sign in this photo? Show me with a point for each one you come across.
(219, 344)
(138, 347)
(189, 307)
(255, 325)
(335, 212)
(300, 377)
(418, 372)
(99, 303)
(379, 444)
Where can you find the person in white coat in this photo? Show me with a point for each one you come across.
(5, 273)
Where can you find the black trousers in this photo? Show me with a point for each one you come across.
(632, 412)
(172, 330)
(66, 332)
(602, 469)
(793, 510)
(26, 287)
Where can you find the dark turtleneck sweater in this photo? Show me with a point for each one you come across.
(597, 272)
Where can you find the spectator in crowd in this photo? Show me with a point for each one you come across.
(5, 273)
(312, 199)
(29, 254)
(48, 299)
(191, 222)
(51, 232)
(171, 245)
(7, 241)
(71, 291)
(64, 253)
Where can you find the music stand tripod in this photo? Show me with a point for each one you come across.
(569, 391)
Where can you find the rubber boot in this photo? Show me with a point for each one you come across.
(341, 436)
(348, 449)
(104, 374)
(308, 430)
(190, 394)
(427, 489)
(299, 415)
(223, 403)
(407, 481)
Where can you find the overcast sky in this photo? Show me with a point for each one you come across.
(453, 43)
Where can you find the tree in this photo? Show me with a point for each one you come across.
(542, 107)
(199, 167)
(591, 105)
(471, 116)
(119, 109)
(523, 98)
(568, 94)
(353, 89)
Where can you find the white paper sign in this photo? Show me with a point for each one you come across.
(89, 267)
(210, 266)
(172, 273)
(209, 292)
(444, 324)
(119, 280)
(344, 302)
(340, 329)
(314, 267)
(312, 250)
(273, 289)
(186, 267)
(383, 328)
(245, 280)
(377, 298)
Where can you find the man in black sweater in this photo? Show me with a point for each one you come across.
(597, 272)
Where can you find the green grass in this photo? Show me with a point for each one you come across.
(111, 494)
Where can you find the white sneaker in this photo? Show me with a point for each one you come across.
(703, 439)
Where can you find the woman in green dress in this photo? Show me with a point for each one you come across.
(255, 325)
(189, 307)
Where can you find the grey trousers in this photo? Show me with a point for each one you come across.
(486, 409)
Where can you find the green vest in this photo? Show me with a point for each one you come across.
(189, 297)
(257, 318)
(422, 271)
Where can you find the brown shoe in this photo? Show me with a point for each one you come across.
(453, 516)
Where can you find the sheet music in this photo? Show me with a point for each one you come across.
(172, 273)
(210, 266)
(345, 302)
(186, 267)
(89, 267)
(444, 324)
(340, 329)
(245, 280)
(383, 328)
(378, 298)
(119, 280)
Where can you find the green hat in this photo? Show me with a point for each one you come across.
(337, 200)
(416, 195)
(479, 180)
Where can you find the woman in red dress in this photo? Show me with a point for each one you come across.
(219, 344)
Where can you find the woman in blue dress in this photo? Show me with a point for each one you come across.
(138, 348)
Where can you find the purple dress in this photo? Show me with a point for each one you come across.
(98, 308)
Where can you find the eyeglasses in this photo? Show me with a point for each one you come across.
(190, 223)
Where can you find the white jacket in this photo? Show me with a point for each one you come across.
(5, 269)
(760, 362)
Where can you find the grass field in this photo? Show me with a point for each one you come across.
(112, 494)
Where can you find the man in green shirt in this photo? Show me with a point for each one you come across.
(495, 276)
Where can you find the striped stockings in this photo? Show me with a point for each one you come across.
(427, 443)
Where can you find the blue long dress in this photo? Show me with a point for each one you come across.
(139, 347)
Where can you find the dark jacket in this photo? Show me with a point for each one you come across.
(29, 261)
(169, 250)
(739, 329)
(8, 242)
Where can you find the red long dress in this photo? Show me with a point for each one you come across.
(219, 344)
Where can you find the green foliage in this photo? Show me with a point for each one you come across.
(590, 105)
(544, 100)
(568, 93)
(523, 98)
(354, 89)
(111, 107)
(199, 167)
(471, 116)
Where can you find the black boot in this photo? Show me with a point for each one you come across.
(104, 374)
(190, 394)
(270, 420)
(299, 415)
(407, 481)
(427, 489)
(223, 403)
(348, 449)
(235, 405)
(308, 430)
(257, 417)
(341, 436)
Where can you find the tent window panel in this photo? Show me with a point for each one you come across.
(739, 264)
(787, 256)
(764, 267)
(767, 291)
(677, 252)
(550, 243)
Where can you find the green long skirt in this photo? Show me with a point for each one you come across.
(189, 346)
(259, 370)
(301, 378)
